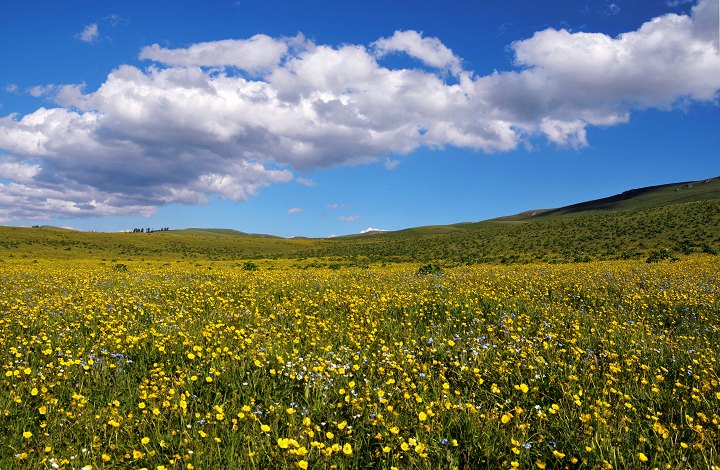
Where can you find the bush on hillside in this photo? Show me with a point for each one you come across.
(660, 255)
(709, 250)
(429, 269)
(250, 266)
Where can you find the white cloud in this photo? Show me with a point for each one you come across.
(570, 134)
(260, 52)
(348, 218)
(89, 34)
(30, 201)
(430, 51)
(306, 182)
(41, 90)
(391, 164)
(295, 210)
(336, 206)
(11, 88)
(17, 171)
(228, 118)
(239, 181)
(372, 230)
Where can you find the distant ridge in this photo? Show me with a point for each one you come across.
(680, 217)
(640, 198)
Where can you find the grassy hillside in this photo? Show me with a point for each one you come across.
(685, 228)
(18, 242)
(204, 232)
(683, 218)
(642, 198)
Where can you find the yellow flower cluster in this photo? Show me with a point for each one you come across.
(169, 365)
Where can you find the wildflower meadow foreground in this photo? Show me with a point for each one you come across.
(164, 365)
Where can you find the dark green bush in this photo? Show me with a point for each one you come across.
(660, 255)
(632, 253)
(685, 247)
(429, 269)
(250, 266)
(709, 250)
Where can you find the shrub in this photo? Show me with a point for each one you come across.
(685, 247)
(250, 266)
(632, 253)
(659, 255)
(709, 250)
(429, 269)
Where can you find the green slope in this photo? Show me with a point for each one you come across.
(634, 199)
(686, 227)
(19, 242)
(682, 217)
(204, 232)
(642, 198)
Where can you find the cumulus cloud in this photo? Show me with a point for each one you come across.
(570, 134)
(429, 51)
(295, 210)
(18, 171)
(227, 118)
(257, 53)
(349, 218)
(41, 90)
(89, 34)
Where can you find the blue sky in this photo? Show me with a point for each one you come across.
(321, 118)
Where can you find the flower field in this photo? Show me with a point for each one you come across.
(177, 366)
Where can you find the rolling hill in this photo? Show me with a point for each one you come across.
(204, 232)
(681, 217)
(642, 198)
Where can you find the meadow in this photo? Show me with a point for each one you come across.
(209, 364)
(634, 233)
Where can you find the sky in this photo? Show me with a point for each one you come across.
(326, 118)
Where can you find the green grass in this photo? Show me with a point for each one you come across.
(682, 218)
(682, 228)
(642, 198)
(598, 364)
(134, 350)
(17, 242)
(217, 232)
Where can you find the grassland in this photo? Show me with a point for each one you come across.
(683, 228)
(206, 365)
(211, 348)
(633, 199)
(682, 218)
